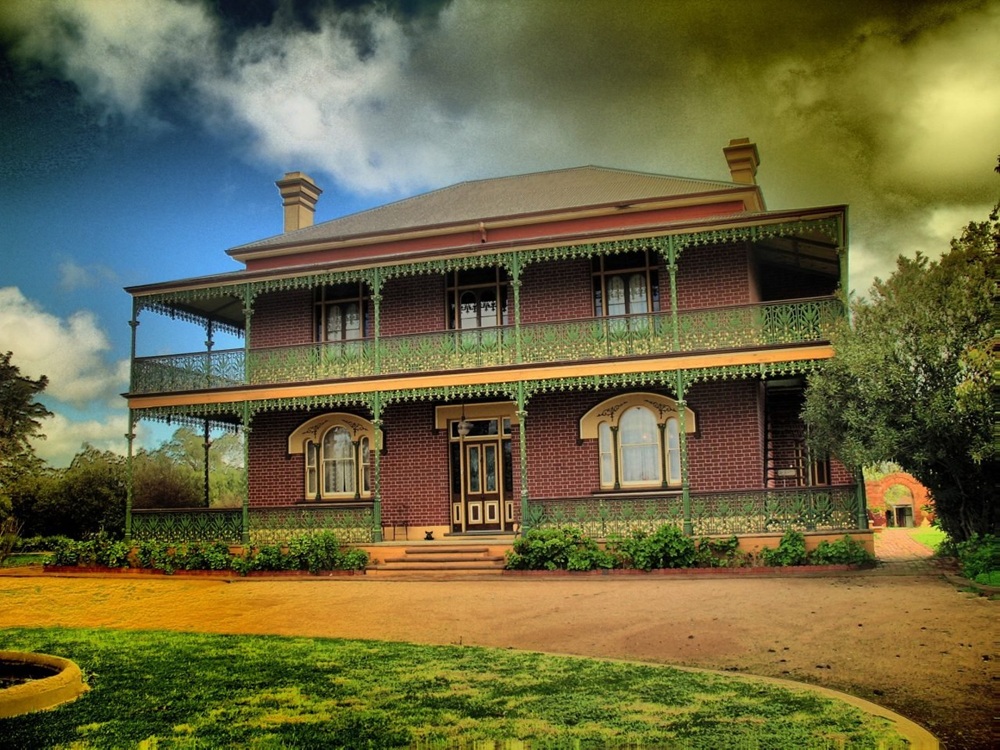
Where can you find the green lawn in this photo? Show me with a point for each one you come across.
(21, 559)
(929, 536)
(165, 689)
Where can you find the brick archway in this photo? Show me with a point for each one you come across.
(919, 497)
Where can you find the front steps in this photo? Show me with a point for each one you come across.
(445, 560)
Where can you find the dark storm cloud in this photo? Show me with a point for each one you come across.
(890, 106)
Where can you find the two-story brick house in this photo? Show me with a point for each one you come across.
(590, 345)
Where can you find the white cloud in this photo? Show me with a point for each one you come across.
(73, 276)
(894, 110)
(71, 352)
(65, 437)
(117, 53)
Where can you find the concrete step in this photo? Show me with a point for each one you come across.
(444, 559)
(417, 557)
(442, 550)
(484, 564)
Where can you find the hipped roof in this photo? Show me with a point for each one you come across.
(526, 195)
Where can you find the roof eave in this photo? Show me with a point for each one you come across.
(750, 193)
(234, 278)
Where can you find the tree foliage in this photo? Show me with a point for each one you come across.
(173, 475)
(914, 379)
(83, 499)
(20, 416)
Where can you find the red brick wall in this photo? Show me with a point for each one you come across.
(840, 474)
(414, 467)
(727, 451)
(282, 319)
(414, 304)
(556, 291)
(276, 478)
(559, 465)
(710, 277)
(707, 277)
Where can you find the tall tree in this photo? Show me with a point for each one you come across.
(20, 416)
(915, 380)
(173, 475)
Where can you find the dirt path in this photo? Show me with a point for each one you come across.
(901, 636)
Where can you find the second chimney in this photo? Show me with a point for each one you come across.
(743, 159)
(299, 193)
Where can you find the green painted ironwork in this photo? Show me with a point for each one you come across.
(172, 305)
(187, 525)
(744, 326)
(448, 350)
(188, 372)
(279, 524)
(311, 362)
(719, 513)
(271, 525)
(179, 303)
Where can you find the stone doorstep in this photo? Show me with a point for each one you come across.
(441, 558)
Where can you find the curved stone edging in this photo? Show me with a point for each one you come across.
(224, 575)
(723, 572)
(958, 580)
(48, 692)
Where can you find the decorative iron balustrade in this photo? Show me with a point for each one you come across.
(743, 326)
(267, 525)
(189, 372)
(311, 362)
(717, 513)
(188, 525)
(279, 524)
(448, 350)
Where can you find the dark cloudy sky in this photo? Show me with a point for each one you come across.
(141, 138)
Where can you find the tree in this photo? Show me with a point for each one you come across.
(173, 475)
(86, 497)
(19, 421)
(915, 381)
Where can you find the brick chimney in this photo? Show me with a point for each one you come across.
(299, 194)
(743, 159)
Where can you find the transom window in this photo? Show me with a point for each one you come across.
(477, 298)
(638, 440)
(625, 284)
(341, 312)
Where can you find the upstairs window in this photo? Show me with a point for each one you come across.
(477, 298)
(341, 312)
(625, 284)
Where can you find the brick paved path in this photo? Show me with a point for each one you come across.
(899, 554)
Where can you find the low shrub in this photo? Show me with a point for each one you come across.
(202, 556)
(312, 552)
(720, 553)
(667, 547)
(38, 543)
(558, 548)
(100, 549)
(979, 556)
(791, 550)
(315, 552)
(846, 551)
(155, 555)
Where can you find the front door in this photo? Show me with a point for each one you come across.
(482, 485)
(481, 477)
